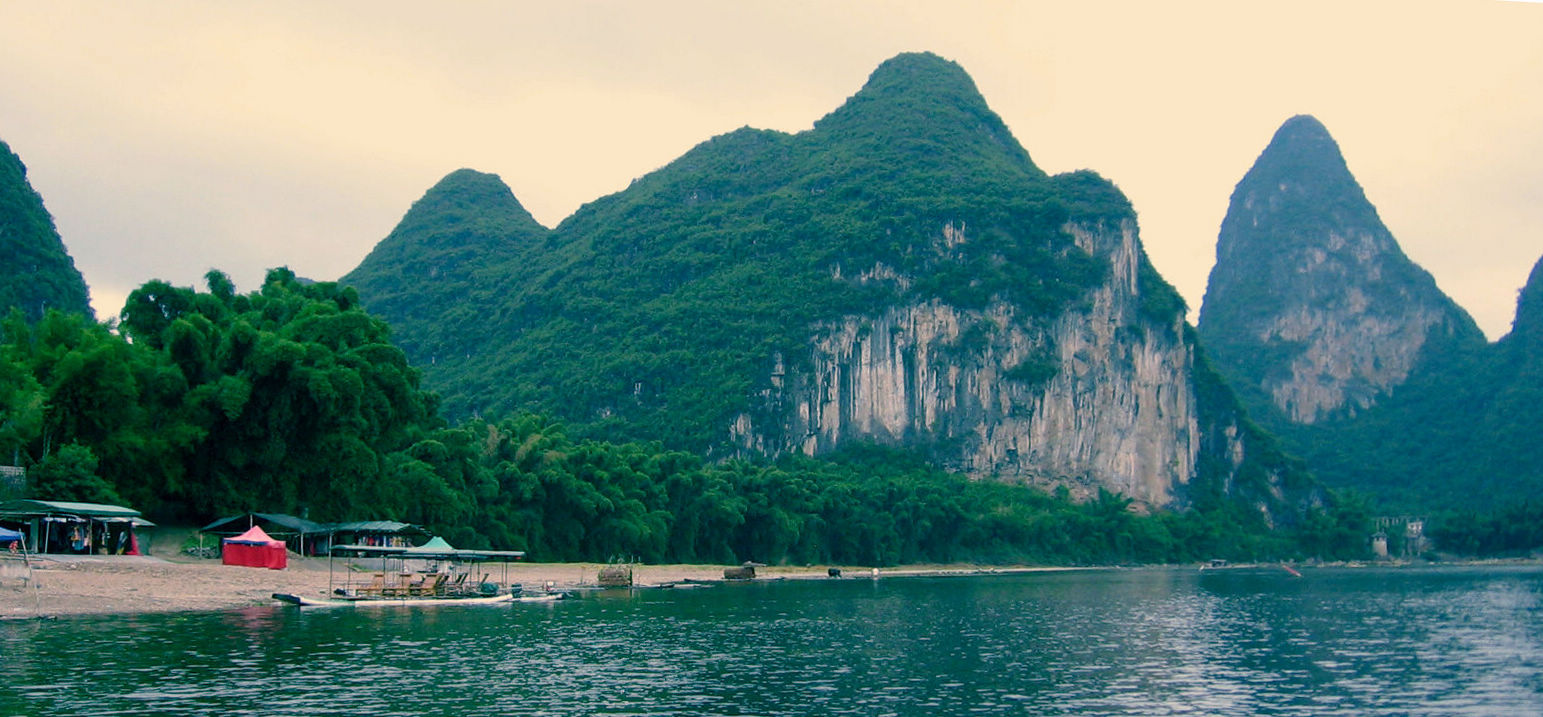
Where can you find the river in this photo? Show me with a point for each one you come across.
(1453, 640)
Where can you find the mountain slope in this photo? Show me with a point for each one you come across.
(1347, 350)
(1312, 305)
(36, 272)
(437, 257)
(902, 274)
(1505, 444)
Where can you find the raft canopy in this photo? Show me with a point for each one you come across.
(430, 551)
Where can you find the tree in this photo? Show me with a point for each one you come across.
(70, 474)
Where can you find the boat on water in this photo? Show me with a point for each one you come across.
(432, 574)
(1222, 566)
(357, 601)
(544, 597)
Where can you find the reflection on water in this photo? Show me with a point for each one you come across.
(1449, 641)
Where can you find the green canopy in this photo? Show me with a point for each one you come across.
(59, 507)
(437, 544)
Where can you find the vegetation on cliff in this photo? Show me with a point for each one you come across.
(655, 313)
(289, 399)
(593, 368)
(1301, 240)
(36, 273)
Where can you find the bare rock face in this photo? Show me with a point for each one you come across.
(1098, 397)
(1312, 308)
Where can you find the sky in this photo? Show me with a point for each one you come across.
(169, 138)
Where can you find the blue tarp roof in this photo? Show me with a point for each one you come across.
(7, 535)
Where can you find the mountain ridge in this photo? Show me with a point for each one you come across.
(902, 273)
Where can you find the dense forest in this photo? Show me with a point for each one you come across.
(291, 399)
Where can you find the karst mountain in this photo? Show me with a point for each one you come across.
(901, 274)
(1346, 349)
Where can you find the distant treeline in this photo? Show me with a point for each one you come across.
(291, 399)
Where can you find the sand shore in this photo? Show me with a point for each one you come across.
(84, 585)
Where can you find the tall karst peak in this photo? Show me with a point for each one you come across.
(466, 222)
(1303, 144)
(467, 196)
(36, 272)
(1299, 191)
(922, 102)
(922, 75)
(1312, 308)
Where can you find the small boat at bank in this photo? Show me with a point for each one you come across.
(547, 597)
(1221, 566)
(303, 601)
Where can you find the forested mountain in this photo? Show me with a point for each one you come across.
(1348, 351)
(439, 256)
(1311, 304)
(901, 274)
(1505, 448)
(36, 273)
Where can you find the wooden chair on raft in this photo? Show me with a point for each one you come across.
(377, 585)
(433, 584)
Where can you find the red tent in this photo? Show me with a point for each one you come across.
(254, 549)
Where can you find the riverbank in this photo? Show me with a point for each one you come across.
(87, 585)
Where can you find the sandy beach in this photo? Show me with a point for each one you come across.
(70, 585)
(84, 585)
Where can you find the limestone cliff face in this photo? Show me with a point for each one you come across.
(1346, 356)
(1098, 397)
(1312, 307)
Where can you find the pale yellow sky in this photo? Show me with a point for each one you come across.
(171, 137)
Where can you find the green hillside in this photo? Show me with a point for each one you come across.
(651, 313)
(654, 315)
(36, 272)
(1311, 292)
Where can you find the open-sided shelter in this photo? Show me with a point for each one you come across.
(254, 549)
(377, 533)
(303, 536)
(53, 526)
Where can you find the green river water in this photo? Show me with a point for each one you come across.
(1457, 640)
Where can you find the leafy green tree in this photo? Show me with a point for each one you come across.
(21, 407)
(301, 403)
(70, 474)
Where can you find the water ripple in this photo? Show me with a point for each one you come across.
(1168, 642)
